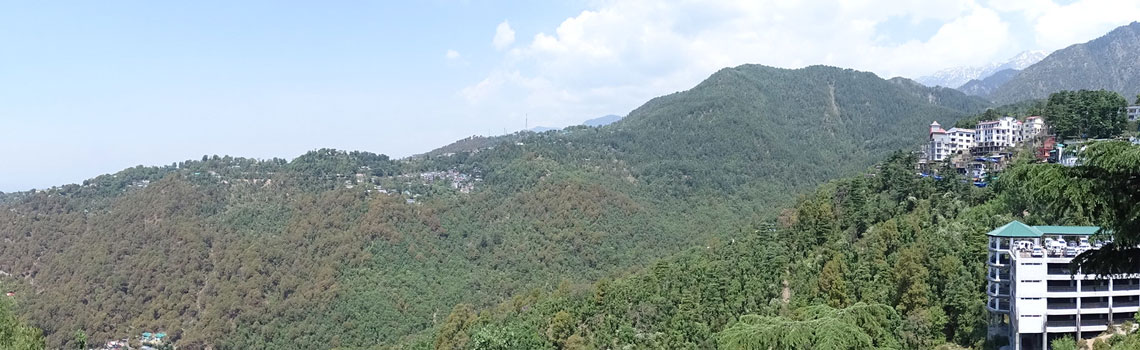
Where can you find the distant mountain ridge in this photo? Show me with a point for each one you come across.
(986, 86)
(603, 120)
(1111, 62)
(957, 76)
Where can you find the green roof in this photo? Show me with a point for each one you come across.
(1068, 230)
(1017, 229)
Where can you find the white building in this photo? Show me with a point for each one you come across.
(945, 143)
(1033, 297)
(1134, 112)
(994, 135)
(1032, 127)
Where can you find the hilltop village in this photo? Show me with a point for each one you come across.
(988, 146)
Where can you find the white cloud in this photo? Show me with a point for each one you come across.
(621, 53)
(452, 55)
(1081, 21)
(504, 36)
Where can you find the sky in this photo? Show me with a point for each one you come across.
(88, 88)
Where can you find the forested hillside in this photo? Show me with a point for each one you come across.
(1109, 62)
(353, 249)
(881, 260)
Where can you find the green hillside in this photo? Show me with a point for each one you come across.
(353, 249)
(881, 260)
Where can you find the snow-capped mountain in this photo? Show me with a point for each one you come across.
(955, 77)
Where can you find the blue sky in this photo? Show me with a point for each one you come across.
(95, 87)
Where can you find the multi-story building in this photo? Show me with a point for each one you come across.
(1032, 127)
(995, 135)
(1134, 112)
(945, 143)
(1034, 297)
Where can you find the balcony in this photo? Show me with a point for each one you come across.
(999, 260)
(1061, 306)
(1094, 288)
(1126, 287)
(998, 290)
(1061, 289)
(998, 305)
(1132, 303)
(1060, 271)
(1061, 323)
(1095, 305)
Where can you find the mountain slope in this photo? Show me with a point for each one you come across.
(958, 76)
(352, 249)
(791, 128)
(1109, 62)
(989, 84)
(910, 247)
(603, 120)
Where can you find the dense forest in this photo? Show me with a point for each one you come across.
(881, 260)
(353, 249)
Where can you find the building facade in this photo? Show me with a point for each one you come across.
(1032, 128)
(1034, 297)
(1134, 113)
(995, 135)
(946, 143)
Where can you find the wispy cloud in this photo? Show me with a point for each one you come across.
(504, 36)
(623, 52)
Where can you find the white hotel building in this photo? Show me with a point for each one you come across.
(1034, 298)
(945, 143)
(989, 136)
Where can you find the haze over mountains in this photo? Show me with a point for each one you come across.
(1109, 62)
(957, 76)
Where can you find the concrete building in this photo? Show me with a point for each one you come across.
(1034, 298)
(1134, 112)
(1032, 127)
(944, 144)
(995, 135)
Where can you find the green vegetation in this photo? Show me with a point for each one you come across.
(897, 258)
(1063, 343)
(857, 327)
(1086, 114)
(883, 260)
(15, 334)
(1089, 194)
(352, 249)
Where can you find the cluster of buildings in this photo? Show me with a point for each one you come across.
(147, 341)
(983, 148)
(988, 137)
(1034, 297)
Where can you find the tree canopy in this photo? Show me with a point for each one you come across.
(1103, 190)
(1086, 114)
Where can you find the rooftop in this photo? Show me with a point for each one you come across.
(1017, 229)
